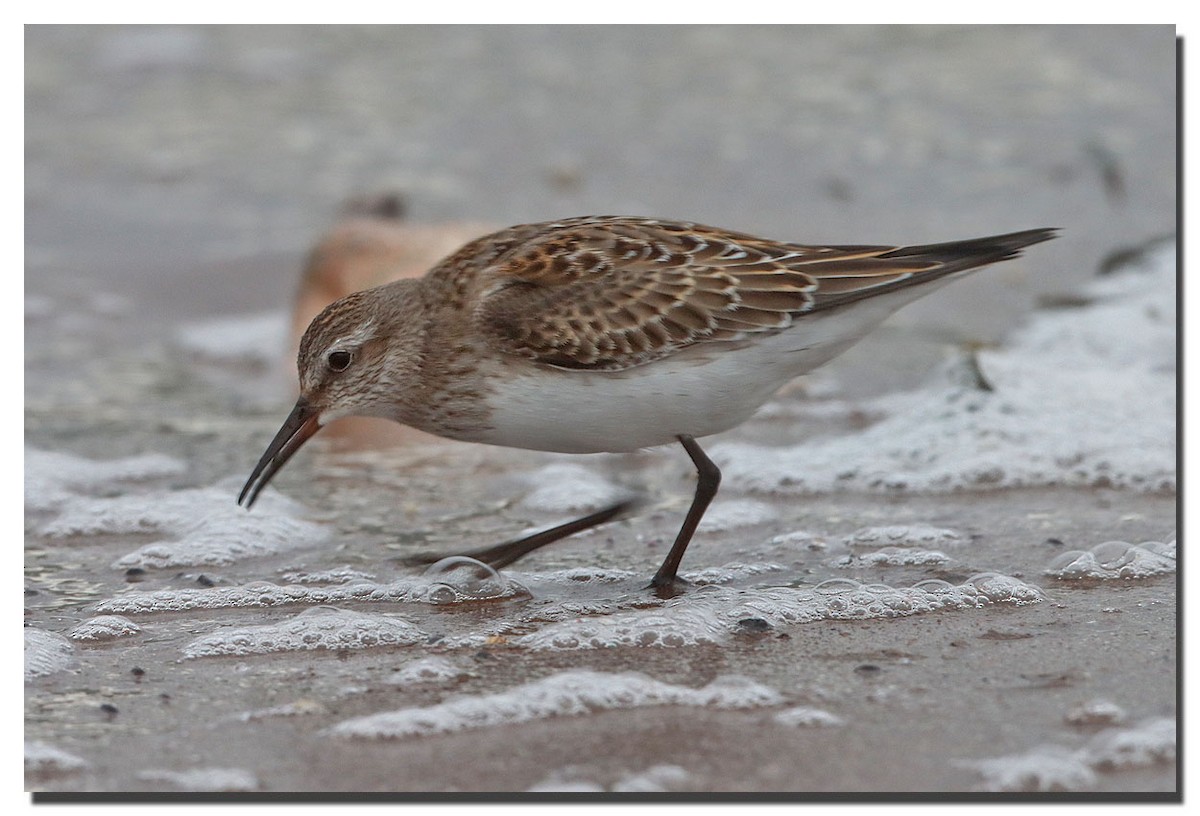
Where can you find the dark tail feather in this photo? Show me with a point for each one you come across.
(923, 264)
(955, 256)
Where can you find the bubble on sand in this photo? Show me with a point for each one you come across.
(895, 557)
(46, 653)
(41, 758)
(729, 572)
(997, 588)
(105, 627)
(257, 594)
(1095, 712)
(296, 708)
(569, 693)
(1148, 743)
(1056, 768)
(1116, 560)
(577, 779)
(459, 579)
(208, 528)
(582, 575)
(807, 717)
(340, 575)
(712, 614)
(801, 540)
(320, 628)
(1043, 769)
(205, 779)
(655, 779)
(427, 670)
(903, 535)
(566, 781)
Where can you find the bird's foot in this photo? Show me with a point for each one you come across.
(667, 587)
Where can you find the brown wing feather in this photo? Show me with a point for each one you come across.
(609, 293)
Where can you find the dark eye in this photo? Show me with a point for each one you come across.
(339, 360)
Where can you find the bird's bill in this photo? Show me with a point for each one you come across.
(302, 423)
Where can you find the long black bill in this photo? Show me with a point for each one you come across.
(302, 423)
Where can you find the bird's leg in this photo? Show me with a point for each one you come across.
(505, 553)
(706, 487)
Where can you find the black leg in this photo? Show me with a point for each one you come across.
(706, 487)
(501, 555)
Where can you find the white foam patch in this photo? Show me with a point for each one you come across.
(339, 575)
(313, 629)
(205, 779)
(257, 338)
(1080, 397)
(576, 779)
(563, 487)
(43, 758)
(105, 627)
(655, 779)
(53, 479)
(46, 653)
(223, 541)
(1055, 768)
(692, 624)
(729, 572)
(735, 513)
(434, 589)
(296, 708)
(570, 693)
(895, 557)
(807, 717)
(208, 527)
(563, 783)
(428, 670)
(1148, 743)
(1043, 769)
(724, 574)
(1095, 712)
(582, 575)
(1116, 560)
(801, 540)
(711, 615)
(903, 535)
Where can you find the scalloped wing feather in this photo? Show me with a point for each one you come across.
(609, 293)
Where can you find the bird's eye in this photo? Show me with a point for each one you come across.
(339, 360)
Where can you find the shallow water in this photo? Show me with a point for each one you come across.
(152, 601)
(929, 568)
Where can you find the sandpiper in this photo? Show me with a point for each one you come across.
(604, 334)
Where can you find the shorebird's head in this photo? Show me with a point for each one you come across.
(355, 358)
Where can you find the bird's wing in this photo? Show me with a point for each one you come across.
(608, 293)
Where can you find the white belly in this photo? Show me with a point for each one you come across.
(696, 392)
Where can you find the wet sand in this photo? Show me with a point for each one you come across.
(178, 176)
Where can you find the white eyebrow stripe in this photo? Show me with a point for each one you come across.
(355, 339)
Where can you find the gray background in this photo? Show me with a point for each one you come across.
(154, 154)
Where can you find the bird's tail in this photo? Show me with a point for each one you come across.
(956, 256)
(873, 271)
